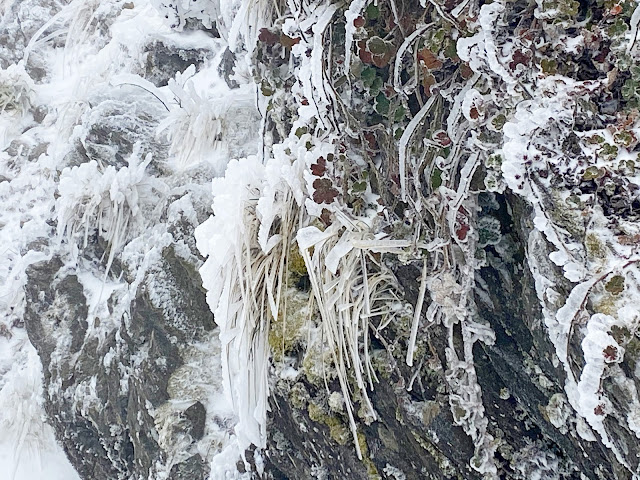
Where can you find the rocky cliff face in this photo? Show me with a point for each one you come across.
(415, 436)
(420, 263)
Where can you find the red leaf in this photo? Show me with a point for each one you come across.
(324, 191)
(371, 141)
(429, 59)
(462, 222)
(428, 81)
(601, 57)
(358, 22)
(268, 37)
(473, 113)
(519, 58)
(465, 71)
(288, 41)
(442, 138)
(325, 216)
(629, 239)
(610, 353)
(319, 168)
(599, 410)
(364, 55)
(382, 61)
(461, 232)
(615, 10)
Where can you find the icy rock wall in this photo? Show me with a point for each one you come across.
(416, 226)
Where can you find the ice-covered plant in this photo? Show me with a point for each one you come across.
(258, 211)
(16, 90)
(193, 127)
(204, 129)
(429, 111)
(247, 243)
(114, 203)
(179, 12)
(364, 286)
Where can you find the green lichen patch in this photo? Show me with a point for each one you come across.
(595, 247)
(338, 430)
(288, 330)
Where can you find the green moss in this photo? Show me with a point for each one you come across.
(596, 250)
(339, 432)
(287, 330)
(372, 470)
(608, 305)
(567, 216)
(316, 364)
(337, 429)
(615, 285)
(299, 396)
(381, 363)
(296, 263)
(315, 413)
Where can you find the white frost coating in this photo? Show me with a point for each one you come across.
(403, 143)
(489, 14)
(416, 315)
(223, 466)
(346, 300)
(105, 38)
(251, 16)
(565, 317)
(453, 130)
(97, 291)
(470, 50)
(16, 90)
(472, 99)
(400, 54)
(317, 68)
(394, 472)
(28, 448)
(244, 272)
(599, 348)
(309, 236)
(353, 12)
(531, 117)
(206, 127)
(334, 256)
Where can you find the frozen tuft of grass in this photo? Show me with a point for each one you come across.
(113, 203)
(16, 90)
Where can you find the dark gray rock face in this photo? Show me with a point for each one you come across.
(107, 373)
(112, 127)
(102, 404)
(163, 61)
